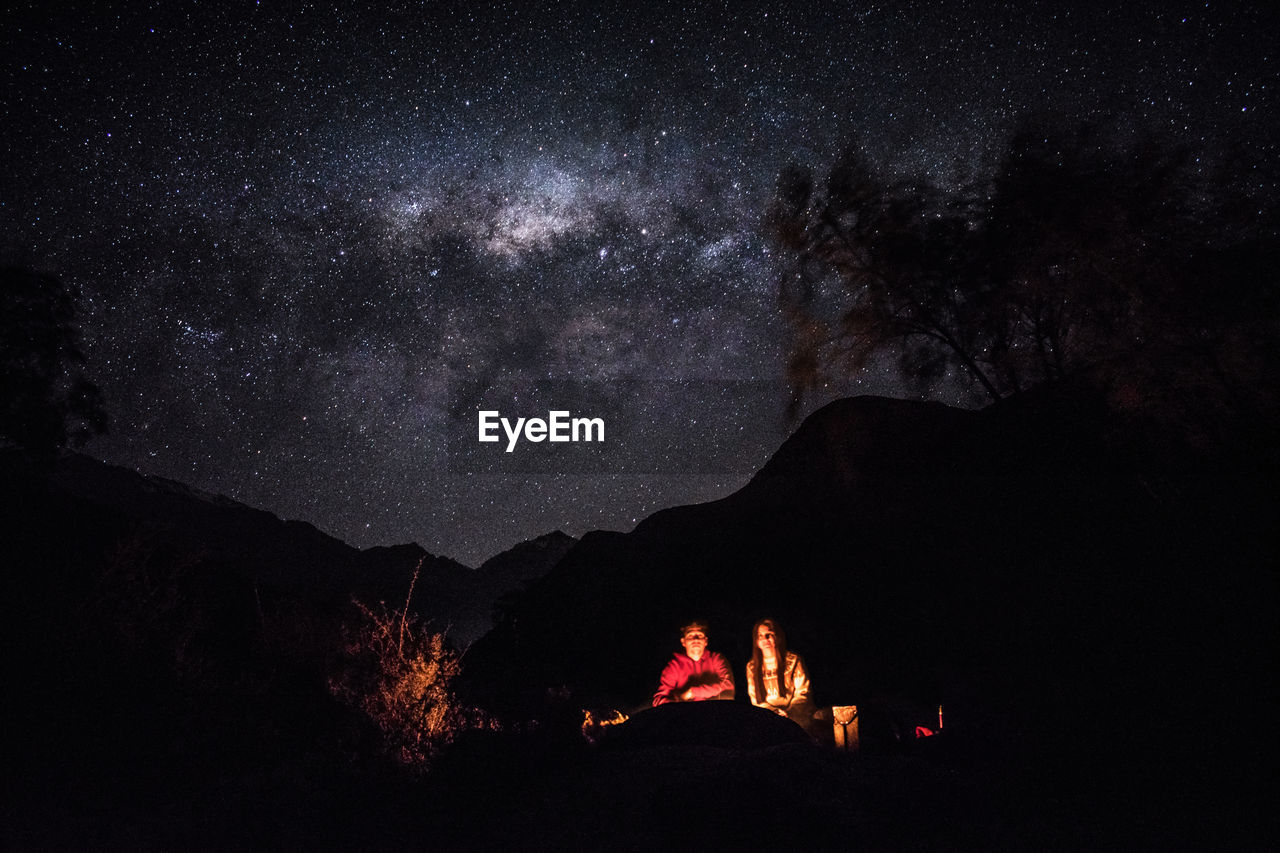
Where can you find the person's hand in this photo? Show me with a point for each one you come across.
(687, 696)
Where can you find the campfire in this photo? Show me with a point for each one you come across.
(594, 727)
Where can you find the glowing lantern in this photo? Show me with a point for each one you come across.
(845, 722)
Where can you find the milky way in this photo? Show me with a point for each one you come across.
(309, 241)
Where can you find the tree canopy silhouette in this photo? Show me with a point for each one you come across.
(45, 399)
(1079, 252)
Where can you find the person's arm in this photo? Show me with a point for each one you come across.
(722, 687)
(751, 685)
(799, 683)
(669, 684)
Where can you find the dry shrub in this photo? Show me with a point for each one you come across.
(145, 603)
(399, 674)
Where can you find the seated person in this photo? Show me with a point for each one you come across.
(776, 678)
(695, 674)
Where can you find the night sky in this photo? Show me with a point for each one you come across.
(310, 241)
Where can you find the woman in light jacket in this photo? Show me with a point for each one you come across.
(776, 678)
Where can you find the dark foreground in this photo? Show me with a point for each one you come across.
(714, 774)
(1092, 601)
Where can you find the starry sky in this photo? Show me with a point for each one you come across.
(312, 240)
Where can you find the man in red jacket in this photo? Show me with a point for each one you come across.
(695, 674)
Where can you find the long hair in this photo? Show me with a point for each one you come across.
(757, 658)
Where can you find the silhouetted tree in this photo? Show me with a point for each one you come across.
(904, 256)
(45, 399)
(1080, 251)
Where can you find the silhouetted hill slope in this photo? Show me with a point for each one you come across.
(291, 554)
(291, 558)
(168, 656)
(1039, 567)
(451, 596)
(773, 547)
(526, 561)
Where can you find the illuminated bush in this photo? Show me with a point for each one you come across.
(399, 674)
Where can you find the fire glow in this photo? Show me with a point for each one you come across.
(593, 729)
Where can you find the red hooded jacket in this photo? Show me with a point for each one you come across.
(709, 677)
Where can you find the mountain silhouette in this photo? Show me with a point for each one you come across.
(1091, 602)
(1030, 566)
(265, 553)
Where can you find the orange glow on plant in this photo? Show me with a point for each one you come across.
(400, 676)
(593, 728)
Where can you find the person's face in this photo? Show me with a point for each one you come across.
(766, 640)
(695, 643)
